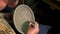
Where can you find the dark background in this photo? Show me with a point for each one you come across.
(44, 13)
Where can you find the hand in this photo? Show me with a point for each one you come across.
(33, 30)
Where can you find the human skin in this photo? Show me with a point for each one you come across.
(33, 30)
(3, 4)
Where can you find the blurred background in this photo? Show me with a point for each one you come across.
(47, 13)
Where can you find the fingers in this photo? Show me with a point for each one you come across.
(36, 24)
(33, 24)
(33, 28)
